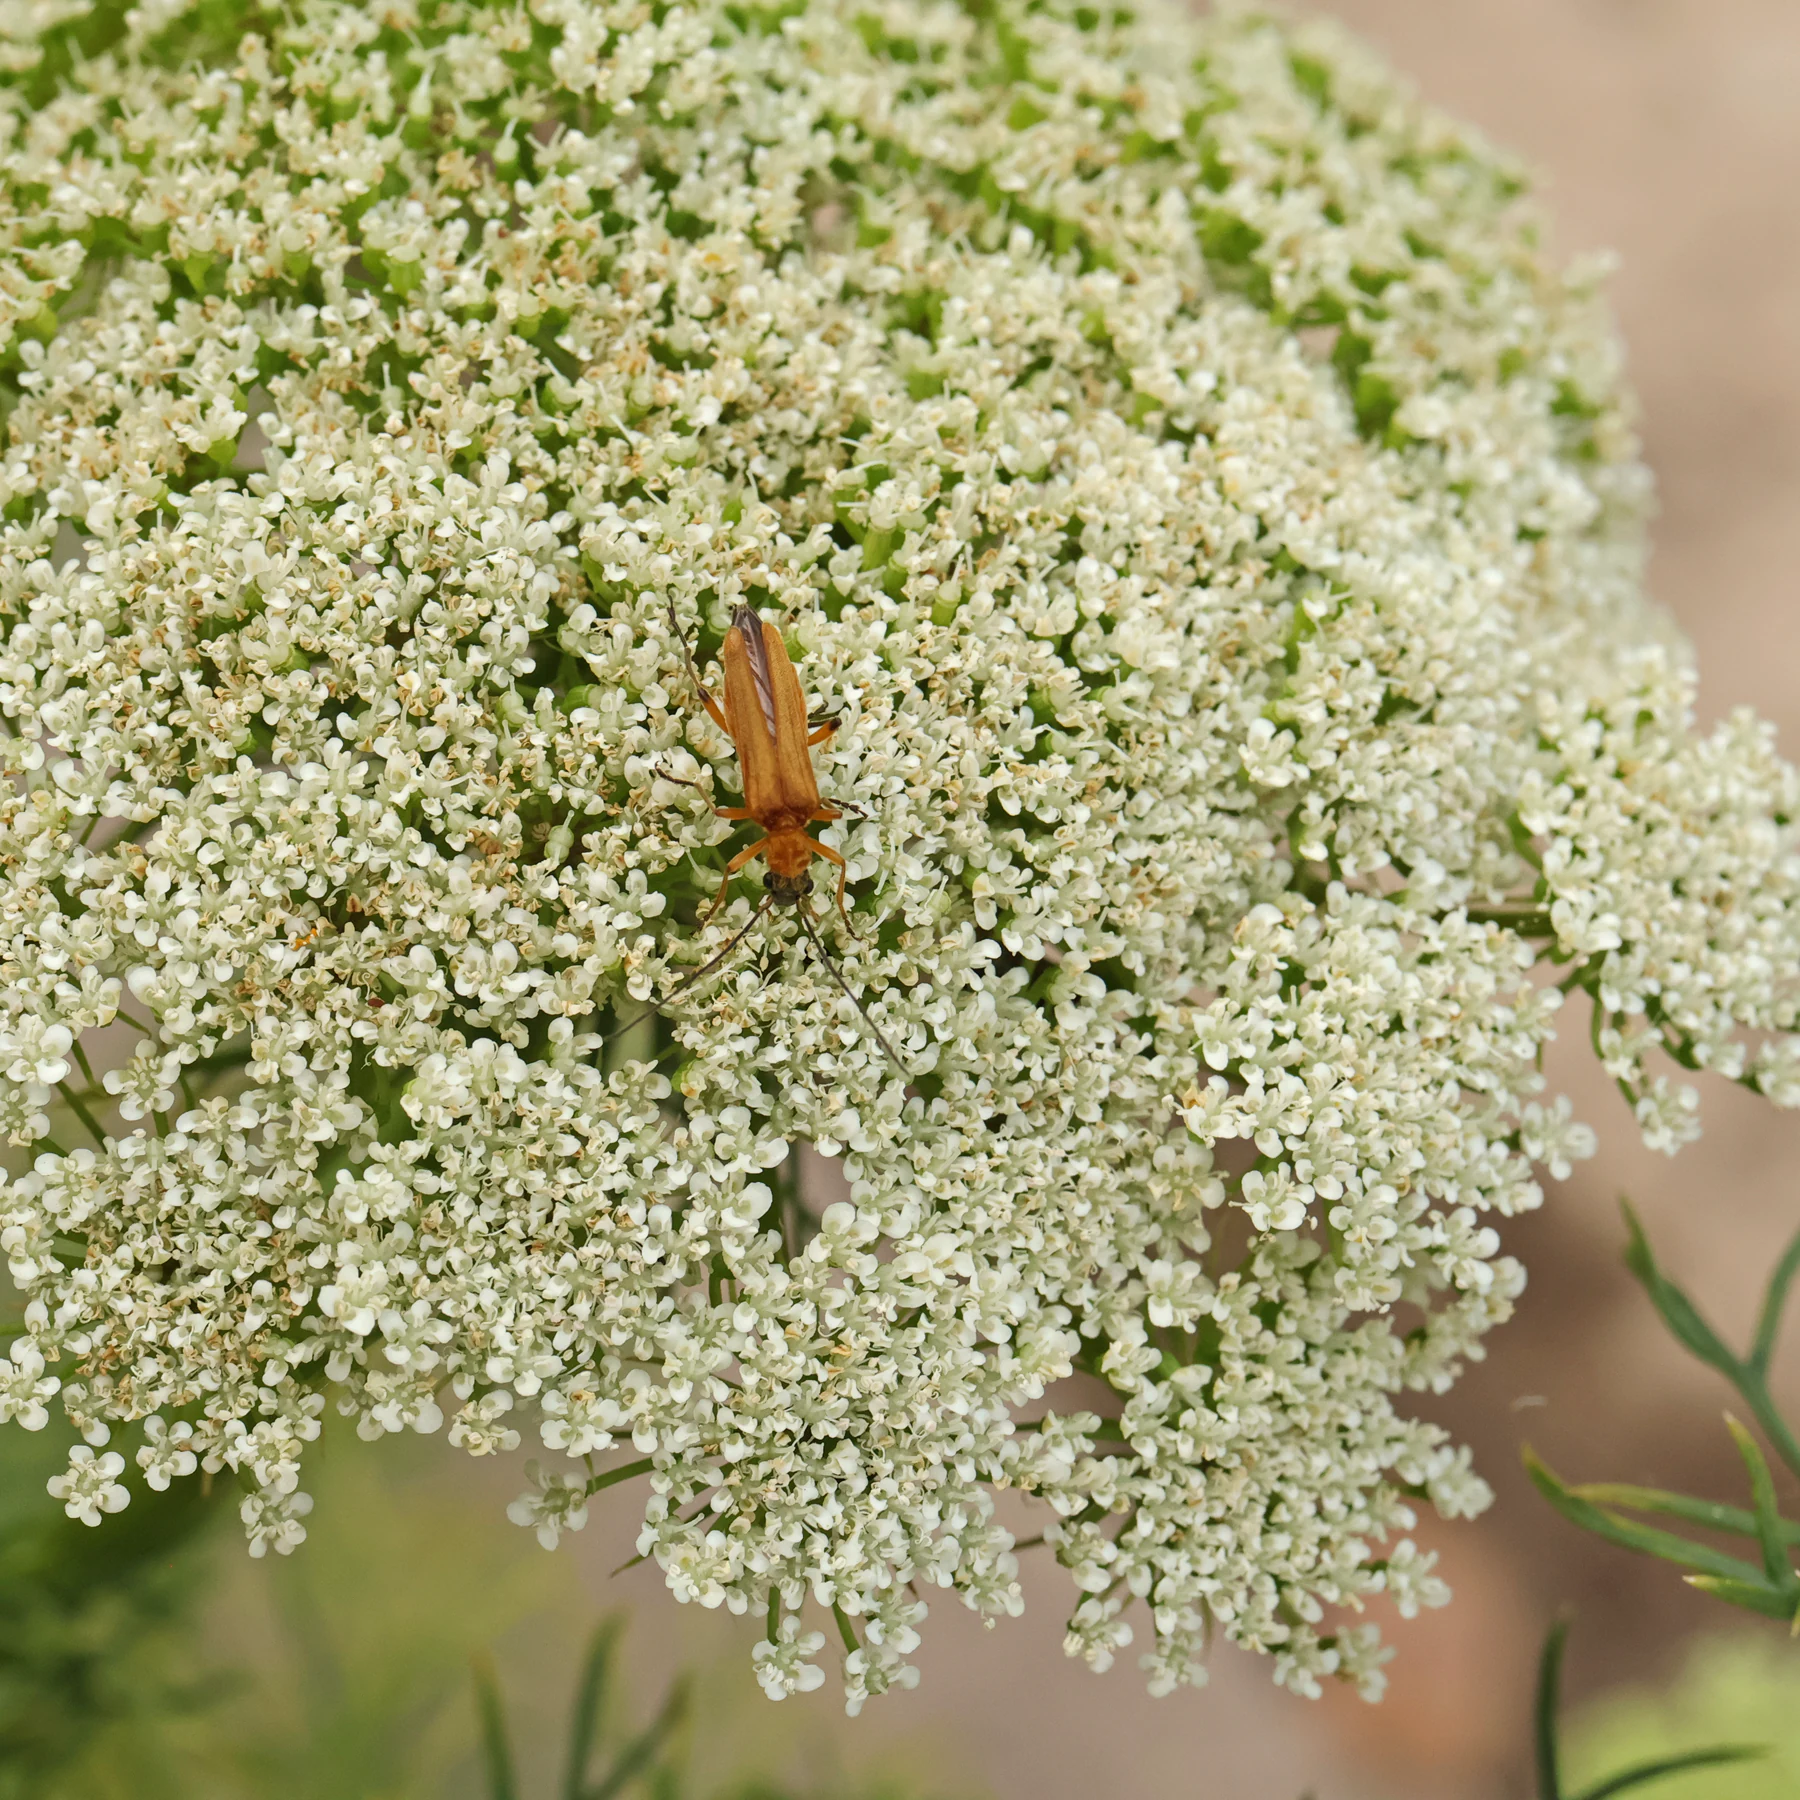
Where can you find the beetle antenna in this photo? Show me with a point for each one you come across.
(687, 655)
(836, 975)
(687, 981)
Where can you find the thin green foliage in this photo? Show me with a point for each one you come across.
(590, 1698)
(1740, 1688)
(1770, 1586)
(1714, 1515)
(642, 1755)
(1642, 1774)
(1548, 1752)
(496, 1747)
(607, 1759)
(1748, 1374)
(1646, 1540)
(645, 1757)
(92, 1641)
(1543, 1736)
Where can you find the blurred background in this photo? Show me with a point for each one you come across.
(1668, 131)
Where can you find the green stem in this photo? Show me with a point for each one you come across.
(79, 1108)
(1750, 1383)
(624, 1472)
(1531, 923)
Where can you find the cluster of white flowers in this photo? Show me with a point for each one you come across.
(1219, 535)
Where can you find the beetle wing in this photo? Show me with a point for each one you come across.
(767, 716)
(793, 757)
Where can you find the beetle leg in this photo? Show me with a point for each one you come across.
(719, 812)
(843, 869)
(712, 706)
(731, 868)
(826, 730)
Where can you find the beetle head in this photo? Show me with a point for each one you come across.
(788, 890)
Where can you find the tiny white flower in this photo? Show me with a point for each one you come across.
(25, 1387)
(555, 1504)
(167, 1452)
(784, 1665)
(91, 1485)
(274, 1521)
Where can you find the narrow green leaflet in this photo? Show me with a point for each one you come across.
(1678, 1312)
(1546, 1754)
(1714, 1515)
(1768, 1324)
(1647, 1540)
(496, 1750)
(1682, 1317)
(1752, 1596)
(590, 1699)
(642, 1751)
(1543, 1712)
(1642, 1774)
(1776, 1565)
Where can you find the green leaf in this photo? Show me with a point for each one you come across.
(1776, 1565)
(496, 1752)
(1768, 1323)
(1641, 1774)
(1715, 1515)
(590, 1697)
(1646, 1540)
(1753, 1596)
(1678, 1311)
(1549, 1779)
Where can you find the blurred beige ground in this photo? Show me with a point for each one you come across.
(1668, 130)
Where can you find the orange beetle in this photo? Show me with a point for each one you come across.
(765, 714)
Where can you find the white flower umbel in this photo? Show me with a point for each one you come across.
(1219, 537)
